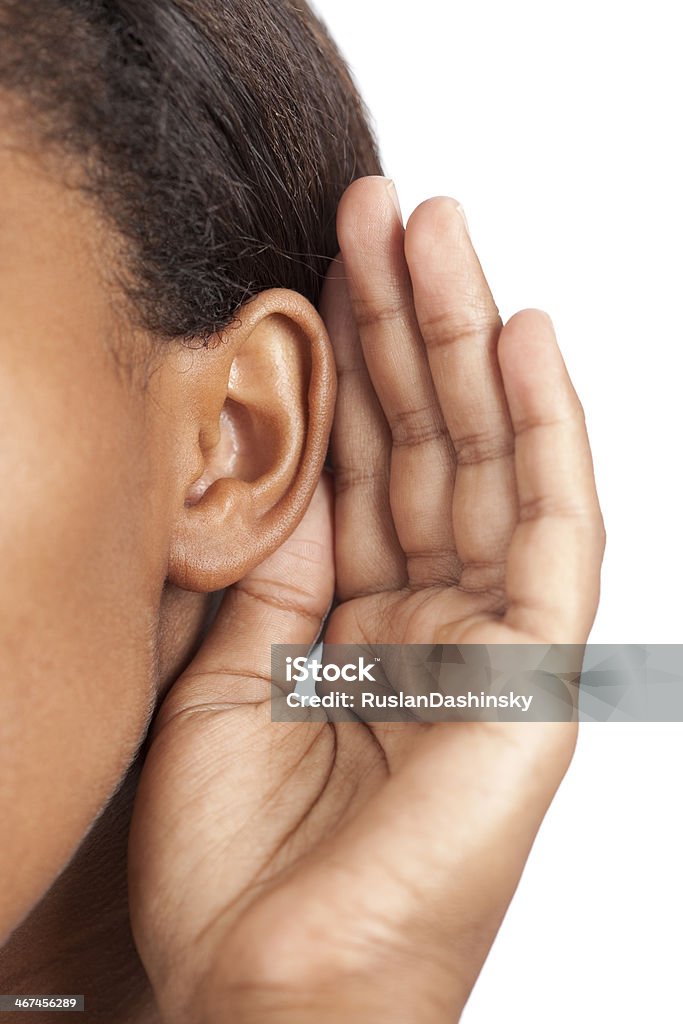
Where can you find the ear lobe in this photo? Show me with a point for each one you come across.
(266, 400)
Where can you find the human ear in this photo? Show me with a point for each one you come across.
(257, 408)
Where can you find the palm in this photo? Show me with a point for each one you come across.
(437, 614)
(464, 511)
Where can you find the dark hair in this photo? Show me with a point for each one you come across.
(218, 136)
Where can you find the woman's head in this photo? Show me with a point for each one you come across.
(170, 171)
(218, 135)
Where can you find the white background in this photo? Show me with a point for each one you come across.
(558, 127)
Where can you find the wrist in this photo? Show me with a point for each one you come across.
(284, 979)
(330, 1007)
(393, 998)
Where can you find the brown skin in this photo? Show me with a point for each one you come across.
(109, 437)
(328, 873)
(136, 482)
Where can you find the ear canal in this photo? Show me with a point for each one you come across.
(239, 451)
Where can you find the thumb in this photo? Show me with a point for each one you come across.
(282, 600)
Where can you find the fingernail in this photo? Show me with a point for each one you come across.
(461, 211)
(393, 195)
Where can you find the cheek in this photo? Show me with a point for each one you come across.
(82, 556)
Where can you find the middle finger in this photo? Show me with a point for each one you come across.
(371, 237)
(460, 325)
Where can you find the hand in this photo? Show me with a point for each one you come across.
(300, 871)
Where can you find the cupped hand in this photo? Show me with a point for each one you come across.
(320, 871)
